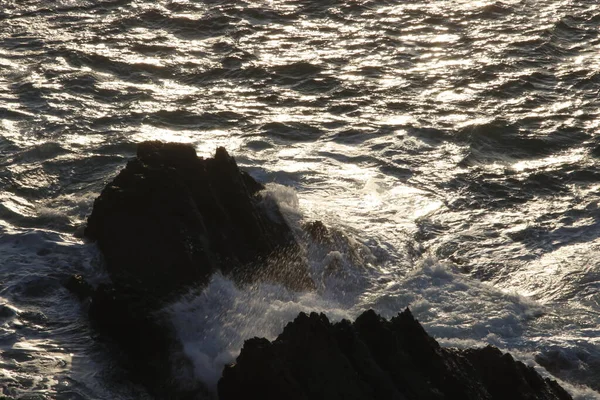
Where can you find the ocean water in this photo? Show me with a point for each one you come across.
(452, 147)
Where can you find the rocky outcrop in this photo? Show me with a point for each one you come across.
(373, 358)
(170, 219)
(166, 223)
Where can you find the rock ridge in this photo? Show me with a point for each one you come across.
(375, 359)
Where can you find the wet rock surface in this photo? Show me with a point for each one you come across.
(373, 358)
(165, 224)
(170, 219)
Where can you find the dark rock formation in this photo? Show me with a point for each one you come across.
(167, 222)
(318, 232)
(373, 358)
(170, 219)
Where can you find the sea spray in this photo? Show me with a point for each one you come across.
(214, 324)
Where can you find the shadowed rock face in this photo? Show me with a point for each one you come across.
(373, 358)
(167, 222)
(170, 219)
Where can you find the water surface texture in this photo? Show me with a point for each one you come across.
(453, 146)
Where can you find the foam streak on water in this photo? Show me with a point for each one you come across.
(453, 145)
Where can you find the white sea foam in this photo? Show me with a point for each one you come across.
(454, 308)
(492, 163)
(457, 310)
(214, 324)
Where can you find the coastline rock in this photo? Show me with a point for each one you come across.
(318, 232)
(170, 219)
(373, 358)
(166, 223)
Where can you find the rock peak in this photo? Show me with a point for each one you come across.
(376, 359)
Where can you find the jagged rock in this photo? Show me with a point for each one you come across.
(338, 251)
(318, 232)
(167, 222)
(373, 358)
(170, 219)
(145, 344)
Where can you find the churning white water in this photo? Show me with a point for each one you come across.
(450, 146)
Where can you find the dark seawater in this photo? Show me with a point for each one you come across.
(454, 145)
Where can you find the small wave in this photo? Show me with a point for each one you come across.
(585, 80)
(291, 131)
(188, 119)
(209, 25)
(566, 30)
(340, 108)
(40, 152)
(511, 88)
(495, 10)
(154, 49)
(317, 86)
(298, 70)
(14, 115)
(262, 15)
(504, 138)
(82, 84)
(132, 72)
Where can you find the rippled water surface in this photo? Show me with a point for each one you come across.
(453, 145)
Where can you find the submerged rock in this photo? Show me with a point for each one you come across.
(373, 358)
